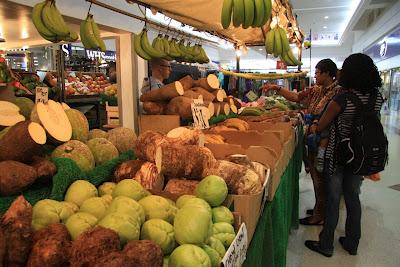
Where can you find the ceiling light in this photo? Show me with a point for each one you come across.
(325, 27)
(260, 49)
(326, 17)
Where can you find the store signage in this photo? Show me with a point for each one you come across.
(201, 114)
(251, 96)
(236, 253)
(42, 95)
(67, 49)
(107, 55)
(280, 65)
(387, 47)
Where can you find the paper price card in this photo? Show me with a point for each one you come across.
(201, 114)
(236, 253)
(251, 96)
(42, 95)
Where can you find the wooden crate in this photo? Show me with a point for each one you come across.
(112, 116)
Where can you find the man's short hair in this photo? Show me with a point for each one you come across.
(158, 62)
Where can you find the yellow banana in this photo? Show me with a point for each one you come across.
(269, 41)
(72, 37)
(284, 39)
(267, 11)
(259, 13)
(138, 46)
(248, 13)
(37, 21)
(96, 32)
(148, 48)
(226, 13)
(277, 43)
(238, 12)
(53, 20)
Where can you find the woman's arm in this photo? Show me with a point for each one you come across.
(289, 95)
(328, 116)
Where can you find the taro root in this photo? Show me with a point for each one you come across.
(92, 245)
(114, 259)
(49, 253)
(53, 231)
(144, 253)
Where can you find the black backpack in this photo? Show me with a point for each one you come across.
(365, 152)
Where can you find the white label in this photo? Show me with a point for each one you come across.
(236, 253)
(42, 95)
(251, 96)
(201, 114)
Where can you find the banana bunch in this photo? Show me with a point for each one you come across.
(254, 13)
(253, 111)
(90, 34)
(162, 47)
(265, 76)
(277, 43)
(50, 24)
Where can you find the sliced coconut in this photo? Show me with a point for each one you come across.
(65, 106)
(53, 118)
(37, 133)
(9, 114)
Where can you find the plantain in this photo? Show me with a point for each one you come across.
(226, 13)
(293, 58)
(39, 25)
(158, 45)
(173, 51)
(284, 39)
(96, 32)
(53, 20)
(238, 12)
(72, 37)
(138, 46)
(285, 58)
(267, 11)
(269, 41)
(88, 34)
(146, 46)
(277, 43)
(249, 10)
(259, 13)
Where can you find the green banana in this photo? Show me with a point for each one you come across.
(226, 13)
(293, 58)
(285, 58)
(173, 51)
(251, 111)
(204, 55)
(53, 20)
(137, 38)
(84, 40)
(267, 11)
(72, 37)
(148, 48)
(259, 13)
(158, 45)
(238, 12)
(269, 41)
(284, 39)
(249, 10)
(277, 43)
(166, 44)
(96, 32)
(37, 21)
(88, 33)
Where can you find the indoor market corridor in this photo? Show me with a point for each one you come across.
(380, 240)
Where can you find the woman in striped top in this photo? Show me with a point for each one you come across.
(359, 76)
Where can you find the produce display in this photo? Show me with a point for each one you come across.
(169, 49)
(85, 84)
(176, 98)
(5, 75)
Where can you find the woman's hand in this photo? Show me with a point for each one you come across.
(270, 87)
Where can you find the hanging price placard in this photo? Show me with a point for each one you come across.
(251, 96)
(201, 114)
(42, 95)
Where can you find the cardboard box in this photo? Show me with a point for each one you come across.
(285, 128)
(158, 123)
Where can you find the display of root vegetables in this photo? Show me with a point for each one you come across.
(176, 98)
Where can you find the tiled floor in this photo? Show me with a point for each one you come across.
(380, 241)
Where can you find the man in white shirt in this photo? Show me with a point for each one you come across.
(160, 69)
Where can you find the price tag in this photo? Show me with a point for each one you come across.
(236, 253)
(252, 96)
(42, 95)
(201, 114)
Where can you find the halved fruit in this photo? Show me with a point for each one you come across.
(9, 114)
(37, 133)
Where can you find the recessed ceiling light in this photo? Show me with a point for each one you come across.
(325, 27)
(326, 17)
(260, 49)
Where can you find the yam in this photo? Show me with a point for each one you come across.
(207, 96)
(154, 108)
(186, 136)
(187, 82)
(193, 95)
(210, 106)
(92, 245)
(15, 177)
(52, 231)
(180, 106)
(9, 114)
(45, 169)
(17, 229)
(144, 253)
(219, 95)
(174, 160)
(50, 253)
(209, 83)
(2, 246)
(114, 259)
(233, 101)
(146, 145)
(127, 170)
(22, 141)
(149, 177)
(181, 187)
(222, 107)
(165, 93)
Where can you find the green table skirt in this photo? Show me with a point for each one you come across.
(270, 241)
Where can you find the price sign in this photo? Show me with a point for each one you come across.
(252, 96)
(236, 253)
(201, 114)
(42, 95)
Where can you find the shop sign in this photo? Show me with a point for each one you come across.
(107, 55)
(236, 253)
(42, 95)
(387, 47)
(201, 114)
(280, 65)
